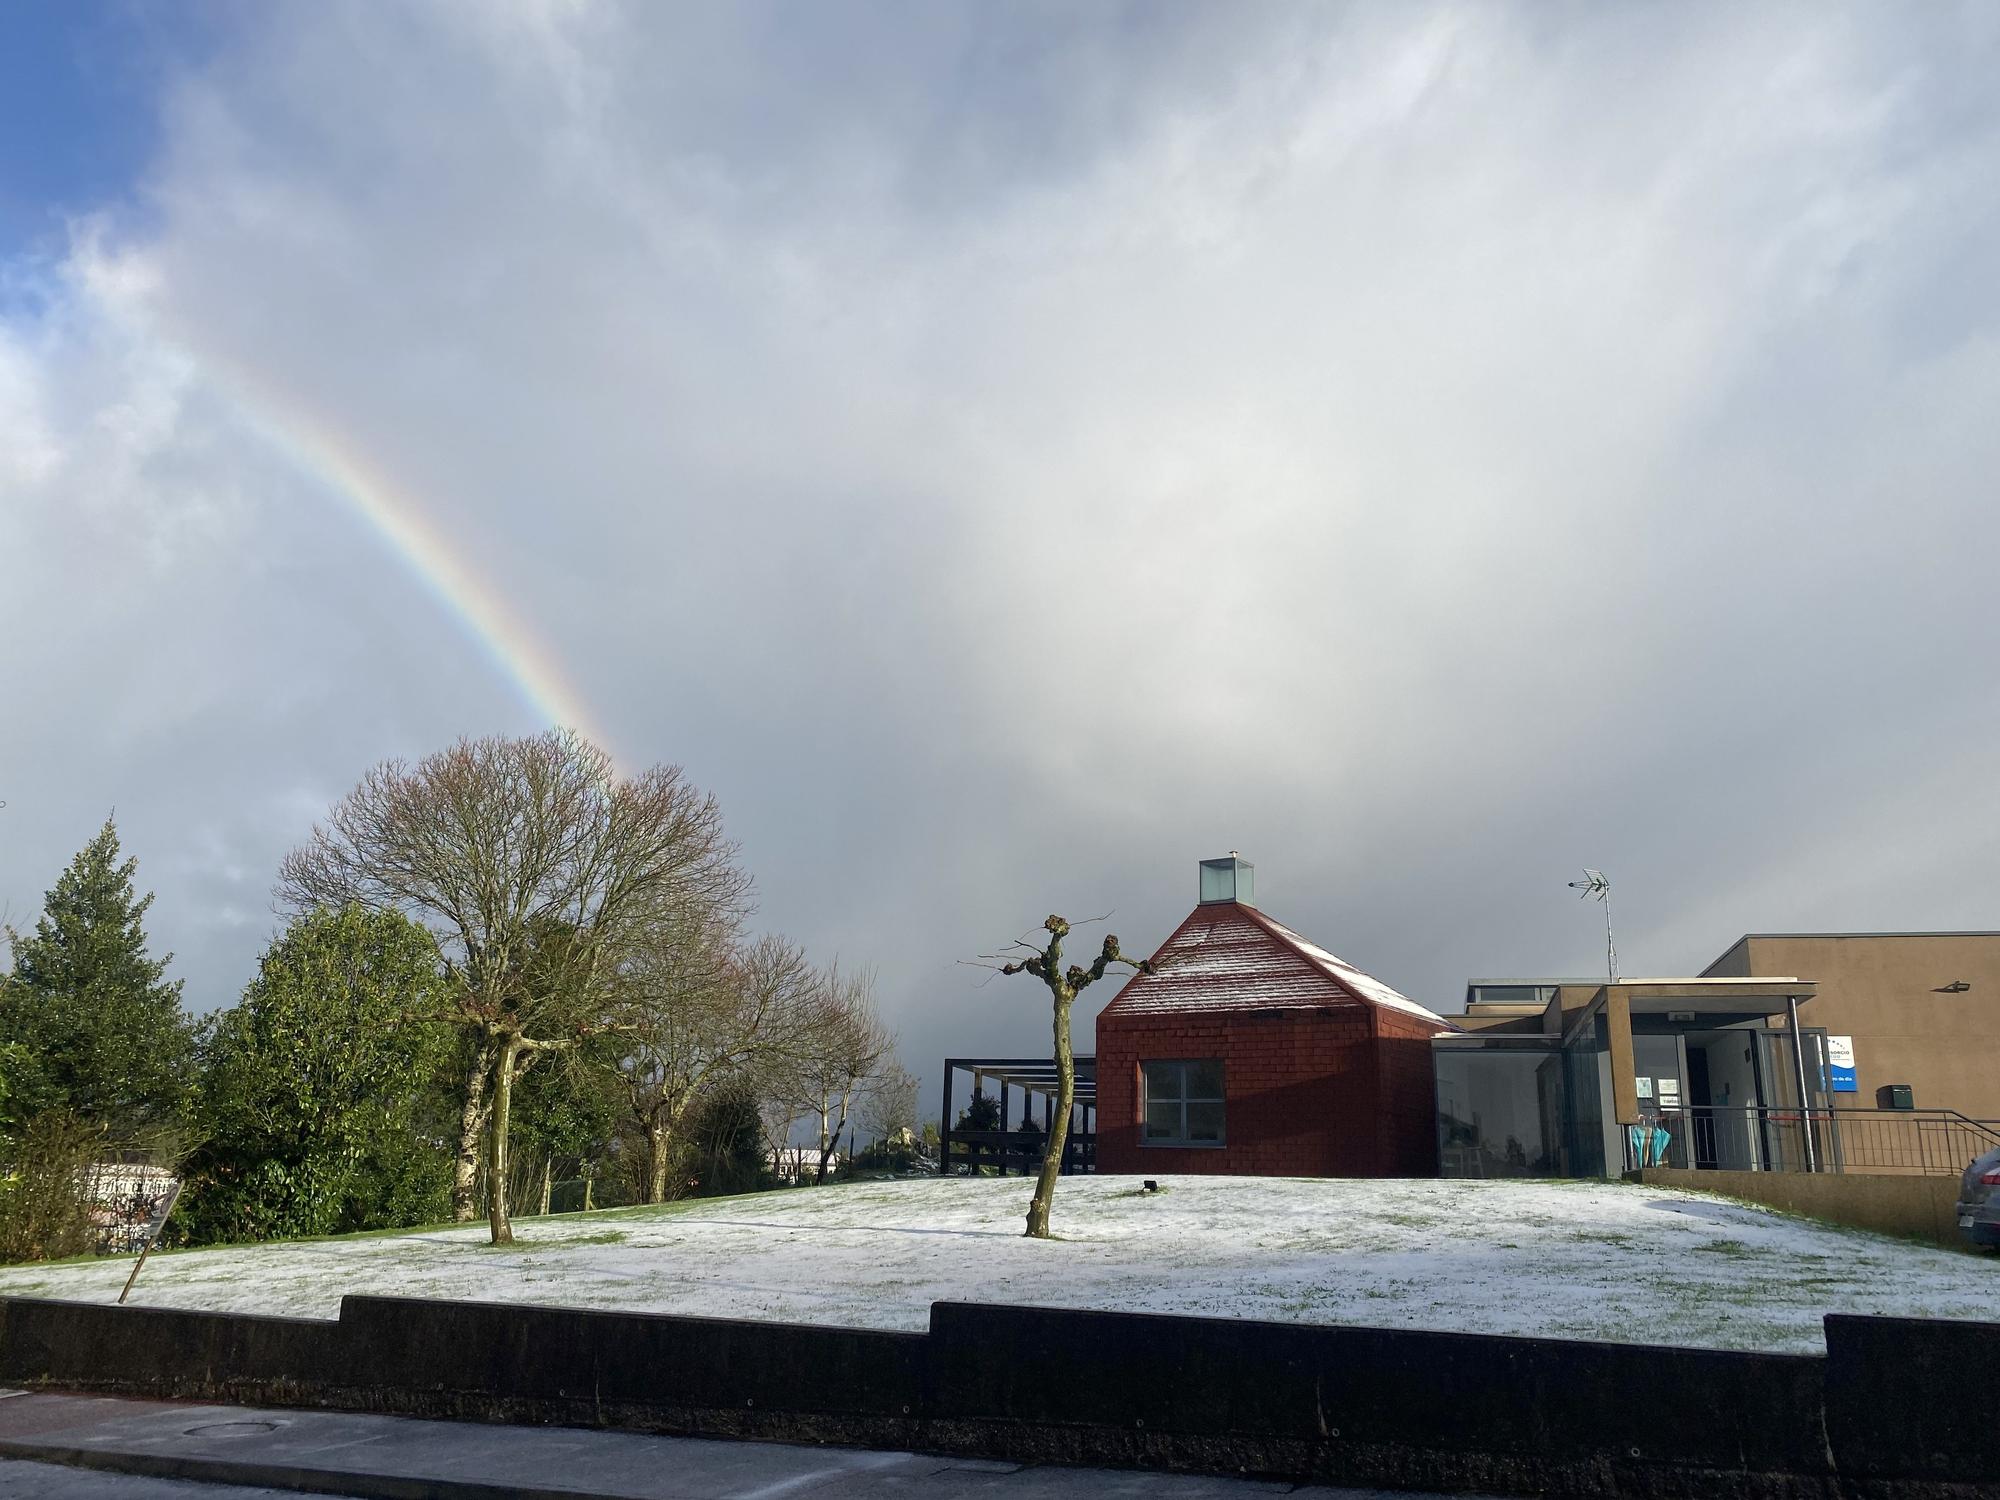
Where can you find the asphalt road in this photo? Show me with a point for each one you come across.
(57, 1446)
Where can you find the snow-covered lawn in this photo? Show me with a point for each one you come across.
(1569, 1259)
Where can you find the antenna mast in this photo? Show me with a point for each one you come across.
(1595, 886)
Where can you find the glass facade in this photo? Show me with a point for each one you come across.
(1587, 1078)
(1714, 1090)
(1500, 1109)
(1183, 1102)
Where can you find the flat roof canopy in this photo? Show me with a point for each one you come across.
(1034, 1075)
(1714, 997)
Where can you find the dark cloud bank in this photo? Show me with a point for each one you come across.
(1008, 455)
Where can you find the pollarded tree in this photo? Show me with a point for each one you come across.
(97, 1026)
(535, 870)
(1064, 985)
(318, 1072)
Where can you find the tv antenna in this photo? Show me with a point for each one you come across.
(1594, 887)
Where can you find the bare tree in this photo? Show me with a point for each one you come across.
(889, 1111)
(535, 870)
(840, 1048)
(778, 1114)
(1064, 985)
(704, 1011)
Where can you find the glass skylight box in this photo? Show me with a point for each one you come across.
(1231, 879)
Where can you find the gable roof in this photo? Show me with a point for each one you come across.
(1231, 957)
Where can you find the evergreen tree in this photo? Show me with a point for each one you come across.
(98, 1027)
(728, 1144)
(566, 1111)
(314, 1087)
(983, 1113)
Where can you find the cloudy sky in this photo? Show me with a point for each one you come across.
(1008, 453)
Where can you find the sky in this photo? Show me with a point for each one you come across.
(1009, 453)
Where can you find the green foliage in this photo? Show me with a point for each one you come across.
(981, 1113)
(727, 1145)
(13, 1061)
(319, 1091)
(96, 1026)
(566, 1110)
(44, 1196)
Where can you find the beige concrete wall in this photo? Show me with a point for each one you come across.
(1922, 1207)
(1883, 992)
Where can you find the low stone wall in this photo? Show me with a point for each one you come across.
(1896, 1410)
(1920, 1207)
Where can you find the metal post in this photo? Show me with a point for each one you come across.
(1003, 1127)
(944, 1124)
(152, 1239)
(1610, 948)
(1799, 1069)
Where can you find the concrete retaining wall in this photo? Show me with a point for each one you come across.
(1896, 1409)
(1921, 1207)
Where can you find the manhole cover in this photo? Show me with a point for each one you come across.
(232, 1429)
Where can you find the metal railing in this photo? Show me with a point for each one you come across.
(1008, 1151)
(1910, 1142)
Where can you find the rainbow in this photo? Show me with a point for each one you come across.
(509, 640)
(319, 452)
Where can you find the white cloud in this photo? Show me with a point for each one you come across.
(1011, 454)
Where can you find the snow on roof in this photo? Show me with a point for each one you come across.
(1230, 957)
(1366, 985)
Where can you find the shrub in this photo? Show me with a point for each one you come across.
(45, 1189)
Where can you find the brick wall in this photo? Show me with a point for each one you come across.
(1304, 1090)
(1406, 1119)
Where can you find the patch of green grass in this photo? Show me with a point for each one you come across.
(602, 1237)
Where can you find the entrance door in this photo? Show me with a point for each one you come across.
(1701, 1138)
(1722, 1076)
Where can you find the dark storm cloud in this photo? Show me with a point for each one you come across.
(1010, 454)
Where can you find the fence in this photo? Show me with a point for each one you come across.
(1926, 1142)
(1004, 1151)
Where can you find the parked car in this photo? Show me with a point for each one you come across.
(1979, 1200)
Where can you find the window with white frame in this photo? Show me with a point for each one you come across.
(1183, 1102)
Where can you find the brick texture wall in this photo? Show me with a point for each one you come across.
(1310, 1093)
(1406, 1116)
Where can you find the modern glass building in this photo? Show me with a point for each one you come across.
(1581, 1078)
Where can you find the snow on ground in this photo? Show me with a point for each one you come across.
(1568, 1259)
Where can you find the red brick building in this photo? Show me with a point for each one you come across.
(1254, 1051)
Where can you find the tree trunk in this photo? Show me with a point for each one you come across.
(503, 1104)
(548, 1183)
(658, 1154)
(471, 1123)
(1045, 1184)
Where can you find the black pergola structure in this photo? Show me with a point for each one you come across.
(1018, 1146)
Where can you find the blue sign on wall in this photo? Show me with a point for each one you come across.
(1840, 1065)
